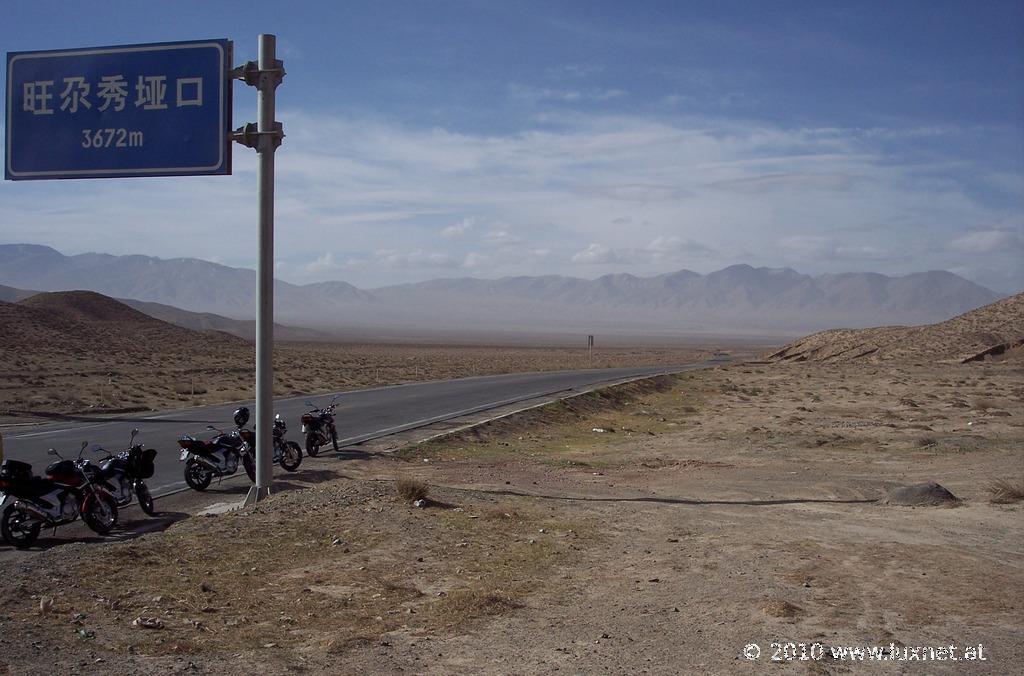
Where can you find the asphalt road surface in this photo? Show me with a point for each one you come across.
(361, 415)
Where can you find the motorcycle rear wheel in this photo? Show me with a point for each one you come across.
(99, 511)
(196, 476)
(145, 498)
(18, 529)
(291, 456)
(334, 439)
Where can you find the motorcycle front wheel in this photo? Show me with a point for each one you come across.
(291, 456)
(145, 498)
(196, 476)
(250, 466)
(99, 511)
(18, 528)
(313, 442)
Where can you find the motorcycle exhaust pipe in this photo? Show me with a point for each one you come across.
(206, 463)
(32, 510)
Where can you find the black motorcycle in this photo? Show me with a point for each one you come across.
(286, 453)
(218, 457)
(59, 497)
(123, 475)
(318, 426)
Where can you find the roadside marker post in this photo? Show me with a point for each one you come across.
(161, 109)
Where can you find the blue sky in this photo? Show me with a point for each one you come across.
(430, 139)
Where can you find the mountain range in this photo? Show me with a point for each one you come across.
(739, 299)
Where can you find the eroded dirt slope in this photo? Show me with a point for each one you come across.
(991, 331)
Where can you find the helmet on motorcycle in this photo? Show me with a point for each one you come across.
(241, 416)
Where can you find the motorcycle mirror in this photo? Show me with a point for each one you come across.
(308, 403)
(135, 432)
(277, 417)
(52, 451)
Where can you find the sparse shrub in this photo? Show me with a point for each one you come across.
(925, 442)
(985, 404)
(412, 489)
(1002, 491)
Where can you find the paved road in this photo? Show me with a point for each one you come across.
(361, 415)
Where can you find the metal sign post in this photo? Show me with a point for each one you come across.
(153, 110)
(265, 136)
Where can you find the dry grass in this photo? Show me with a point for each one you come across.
(562, 433)
(985, 404)
(781, 609)
(412, 489)
(1003, 492)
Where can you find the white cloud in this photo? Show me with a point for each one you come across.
(457, 229)
(500, 237)
(415, 259)
(670, 245)
(475, 260)
(323, 263)
(596, 254)
(987, 241)
(537, 94)
(650, 194)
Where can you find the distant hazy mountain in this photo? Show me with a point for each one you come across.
(739, 298)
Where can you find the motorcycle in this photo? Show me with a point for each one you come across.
(59, 497)
(318, 426)
(124, 474)
(219, 456)
(288, 454)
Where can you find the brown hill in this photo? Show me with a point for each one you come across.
(995, 330)
(84, 323)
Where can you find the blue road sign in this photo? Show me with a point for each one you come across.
(110, 112)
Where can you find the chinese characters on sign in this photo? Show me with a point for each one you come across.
(145, 110)
(151, 93)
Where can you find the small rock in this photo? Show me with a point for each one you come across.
(335, 542)
(924, 494)
(148, 623)
(421, 504)
(205, 588)
(45, 604)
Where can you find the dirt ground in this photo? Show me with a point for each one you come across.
(55, 379)
(722, 508)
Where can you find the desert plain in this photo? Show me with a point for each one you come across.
(659, 527)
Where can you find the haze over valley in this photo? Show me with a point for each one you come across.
(739, 300)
